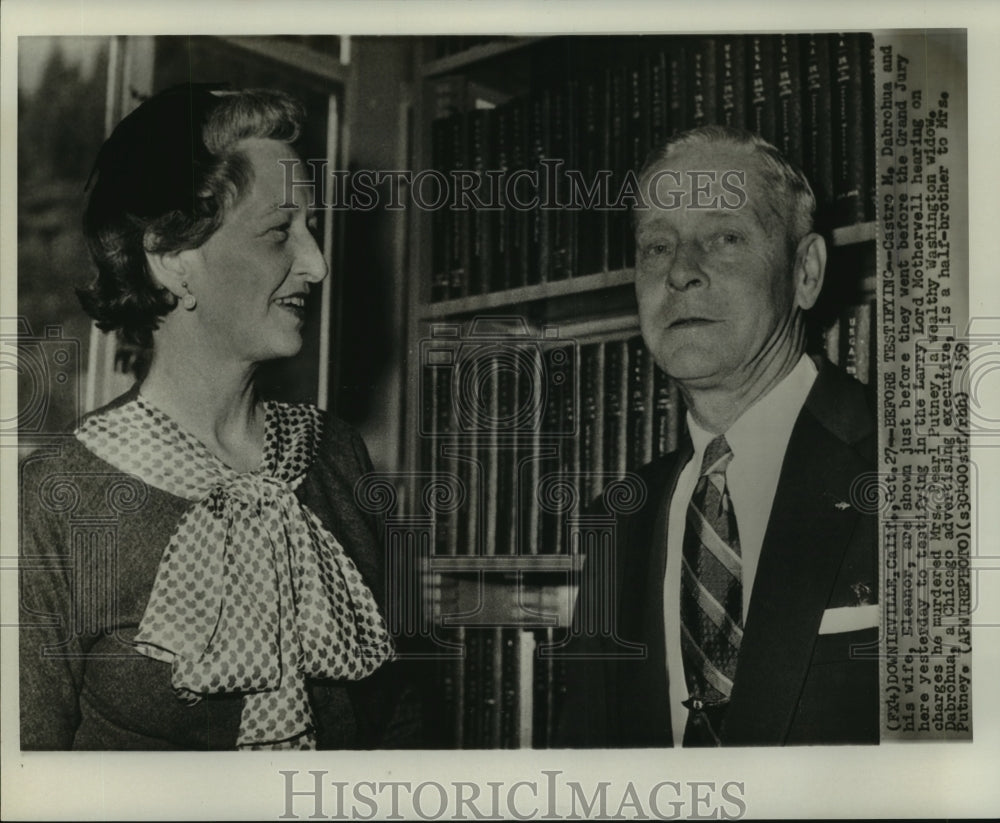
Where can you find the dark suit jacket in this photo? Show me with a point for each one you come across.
(792, 685)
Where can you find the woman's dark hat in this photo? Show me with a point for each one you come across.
(151, 162)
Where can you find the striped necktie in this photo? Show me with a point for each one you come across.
(711, 598)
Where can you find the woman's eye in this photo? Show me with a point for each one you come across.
(280, 233)
(656, 249)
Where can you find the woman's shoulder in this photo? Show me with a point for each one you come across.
(329, 427)
(62, 458)
(338, 445)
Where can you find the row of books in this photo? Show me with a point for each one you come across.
(602, 105)
(500, 694)
(532, 432)
(519, 436)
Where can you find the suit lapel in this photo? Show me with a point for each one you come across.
(647, 685)
(802, 552)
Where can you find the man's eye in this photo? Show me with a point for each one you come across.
(725, 241)
(313, 224)
(279, 233)
(656, 249)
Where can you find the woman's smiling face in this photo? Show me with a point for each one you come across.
(254, 273)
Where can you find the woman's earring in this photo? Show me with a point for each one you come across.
(188, 300)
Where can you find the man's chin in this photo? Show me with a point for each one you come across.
(690, 367)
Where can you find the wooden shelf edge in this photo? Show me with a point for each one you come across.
(503, 564)
(854, 234)
(526, 294)
(295, 55)
(452, 62)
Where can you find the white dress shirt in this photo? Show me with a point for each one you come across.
(758, 440)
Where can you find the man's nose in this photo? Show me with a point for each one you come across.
(685, 270)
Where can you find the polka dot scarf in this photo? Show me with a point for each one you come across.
(253, 595)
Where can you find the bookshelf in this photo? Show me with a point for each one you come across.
(528, 382)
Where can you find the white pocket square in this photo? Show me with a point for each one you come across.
(849, 619)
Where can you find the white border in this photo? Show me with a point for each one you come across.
(933, 779)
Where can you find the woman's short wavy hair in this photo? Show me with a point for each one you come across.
(164, 181)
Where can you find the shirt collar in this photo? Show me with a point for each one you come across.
(765, 427)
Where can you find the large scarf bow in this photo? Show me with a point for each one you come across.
(253, 595)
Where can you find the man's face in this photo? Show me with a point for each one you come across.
(714, 285)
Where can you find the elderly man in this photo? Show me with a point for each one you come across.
(748, 578)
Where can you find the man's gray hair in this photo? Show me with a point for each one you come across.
(776, 170)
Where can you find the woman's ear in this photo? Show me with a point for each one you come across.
(810, 267)
(171, 270)
(167, 270)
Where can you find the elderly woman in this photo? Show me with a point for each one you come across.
(195, 572)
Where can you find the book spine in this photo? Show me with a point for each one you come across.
(616, 150)
(506, 460)
(510, 683)
(481, 221)
(659, 95)
(489, 378)
(560, 220)
(615, 396)
(458, 218)
(539, 130)
(763, 105)
(849, 142)
(544, 681)
(789, 98)
(703, 76)
(640, 394)
(570, 428)
(525, 688)
(472, 706)
(868, 135)
(492, 687)
(592, 417)
(679, 85)
(732, 78)
(817, 128)
(590, 131)
(547, 539)
(440, 223)
(528, 465)
(470, 469)
(456, 669)
(446, 524)
(666, 414)
(500, 236)
(637, 110)
(518, 241)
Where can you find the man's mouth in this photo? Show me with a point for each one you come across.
(690, 322)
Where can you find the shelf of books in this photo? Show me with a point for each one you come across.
(535, 395)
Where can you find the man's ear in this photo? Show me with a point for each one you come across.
(810, 268)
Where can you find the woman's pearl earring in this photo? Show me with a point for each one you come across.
(188, 301)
